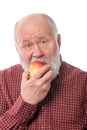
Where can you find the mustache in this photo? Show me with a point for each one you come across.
(40, 59)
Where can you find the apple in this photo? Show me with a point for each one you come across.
(35, 66)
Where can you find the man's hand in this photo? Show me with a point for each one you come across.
(35, 89)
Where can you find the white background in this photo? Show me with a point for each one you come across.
(70, 17)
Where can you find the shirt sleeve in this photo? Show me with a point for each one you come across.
(17, 116)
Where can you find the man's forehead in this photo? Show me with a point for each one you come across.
(34, 29)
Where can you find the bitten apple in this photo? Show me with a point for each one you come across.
(35, 66)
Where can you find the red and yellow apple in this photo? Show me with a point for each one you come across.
(35, 66)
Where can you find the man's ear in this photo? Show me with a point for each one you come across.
(59, 39)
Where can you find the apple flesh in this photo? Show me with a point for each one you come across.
(35, 66)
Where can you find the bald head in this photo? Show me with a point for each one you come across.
(35, 20)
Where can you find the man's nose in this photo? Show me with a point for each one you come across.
(37, 52)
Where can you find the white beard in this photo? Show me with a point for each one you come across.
(55, 63)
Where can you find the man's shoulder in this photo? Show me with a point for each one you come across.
(70, 67)
(11, 71)
(69, 71)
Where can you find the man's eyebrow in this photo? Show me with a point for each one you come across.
(41, 37)
(26, 40)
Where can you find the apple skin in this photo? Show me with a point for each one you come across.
(35, 66)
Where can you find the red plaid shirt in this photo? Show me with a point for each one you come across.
(64, 108)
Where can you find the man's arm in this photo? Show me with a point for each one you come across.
(33, 91)
(17, 116)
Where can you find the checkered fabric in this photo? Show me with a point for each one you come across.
(64, 108)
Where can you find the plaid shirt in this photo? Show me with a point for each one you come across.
(64, 108)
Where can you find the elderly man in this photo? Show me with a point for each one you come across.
(54, 98)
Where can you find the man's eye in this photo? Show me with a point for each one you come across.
(43, 42)
(28, 45)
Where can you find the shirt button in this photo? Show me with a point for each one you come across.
(32, 112)
(42, 107)
(42, 127)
